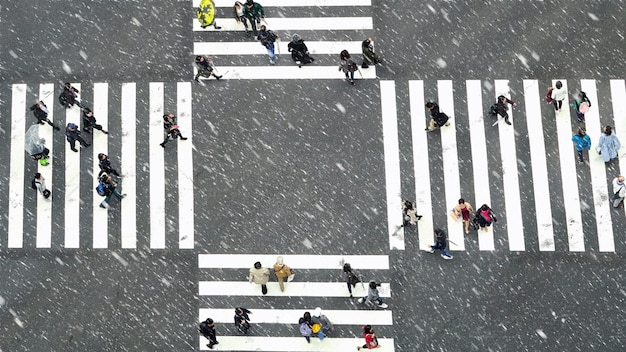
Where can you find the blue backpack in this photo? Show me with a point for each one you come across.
(100, 190)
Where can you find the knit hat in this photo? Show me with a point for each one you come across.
(257, 265)
(317, 312)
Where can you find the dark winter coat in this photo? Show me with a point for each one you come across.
(254, 13)
(582, 142)
(72, 132)
(168, 122)
(207, 331)
(267, 37)
(299, 51)
(68, 97)
(482, 221)
(244, 316)
(503, 105)
(39, 113)
(369, 56)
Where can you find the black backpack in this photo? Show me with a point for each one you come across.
(34, 184)
(493, 110)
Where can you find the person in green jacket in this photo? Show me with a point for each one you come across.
(582, 142)
(581, 106)
(255, 13)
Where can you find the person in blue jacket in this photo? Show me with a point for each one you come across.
(581, 141)
(608, 145)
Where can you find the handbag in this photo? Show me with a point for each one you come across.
(290, 277)
(616, 194)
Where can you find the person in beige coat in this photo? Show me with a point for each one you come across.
(260, 275)
(463, 210)
(282, 272)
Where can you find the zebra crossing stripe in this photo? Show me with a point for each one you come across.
(129, 157)
(303, 261)
(290, 316)
(16, 177)
(294, 289)
(392, 164)
(421, 169)
(618, 97)
(72, 180)
(157, 167)
(100, 226)
(450, 164)
(287, 72)
(293, 344)
(185, 168)
(601, 206)
(44, 206)
(254, 48)
(294, 24)
(539, 168)
(510, 180)
(569, 181)
(480, 166)
(291, 3)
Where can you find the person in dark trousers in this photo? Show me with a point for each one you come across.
(306, 326)
(581, 106)
(347, 65)
(485, 217)
(441, 242)
(502, 105)
(373, 297)
(239, 15)
(409, 214)
(242, 320)
(89, 122)
(69, 96)
(267, 39)
(207, 329)
(351, 277)
(558, 95)
(581, 141)
(259, 275)
(73, 134)
(171, 129)
(369, 56)
(254, 13)
(299, 51)
(40, 110)
(39, 184)
(371, 341)
(110, 190)
(438, 119)
(105, 165)
(205, 68)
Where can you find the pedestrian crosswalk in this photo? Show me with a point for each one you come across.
(318, 21)
(271, 313)
(548, 161)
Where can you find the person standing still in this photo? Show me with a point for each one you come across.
(582, 142)
(259, 275)
(619, 191)
(441, 242)
(282, 272)
(207, 329)
(254, 12)
(558, 95)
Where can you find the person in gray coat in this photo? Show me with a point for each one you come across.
(325, 323)
(608, 144)
(372, 296)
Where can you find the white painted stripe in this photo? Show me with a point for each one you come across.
(569, 181)
(16, 178)
(291, 3)
(292, 344)
(294, 24)
(99, 144)
(480, 166)
(421, 168)
(392, 164)
(44, 206)
(157, 168)
(129, 167)
(294, 261)
(255, 48)
(602, 207)
(510, 180)
(292, 289)
(543, 210)
(289, 72)
(450, 165)
(185, 168)
(72, 180)
(290, 316)
(618, 97)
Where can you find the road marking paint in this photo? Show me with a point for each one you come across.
(16, 178)
(290, 316)
(129, 166)
(292, 289)
(185, 167)
(293, 344)
(157, 167)
(293, 24)
(72, 180)
(618, 97)
(100, 225)
(255, 48)
(294, 261)
(288, 72)
(44, 206)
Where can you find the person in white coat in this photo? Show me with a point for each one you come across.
(619, 191)
(259, 275)
(558, 95)
(608, 144)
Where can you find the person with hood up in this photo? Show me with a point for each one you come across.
(259, 275)
(369, 56)
(299, 51)
(373, 296)
(608, 145)
(242, 320)
(485, 217)
(322, 321)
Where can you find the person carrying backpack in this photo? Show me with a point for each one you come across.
(267, 39)
(108, 188)
(581, 106)
(306, 327)
(207, 329)
(351, 277)
(299, 51)
(39, 184)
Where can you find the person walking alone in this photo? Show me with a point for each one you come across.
(110, 190)
(171, 129)
(437, 119)
(347, 65)
(207, 329)
(299, 51)
(558, 95)
(40, 110)
(89, 122)
(371, 341)
(369, 56)
(608, 145)
(581, 106)
(267, 39)
(282, 271)
(242, 320)
(205, 68)
(619, 191)
(502, 106)
(441, 242)
(39, 184)
(73, 134)
(259, 275)
(581, 141)
(373, 296)
(351, 277)
(69, 97)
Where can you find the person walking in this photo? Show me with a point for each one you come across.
(267, 39)
(282, 271)
(39, 184)
(369, 56)
(350, 277)
(463, 210)
(73, 134)
(441, 242)
(259, 275)
(242, 320)
(171, 129)
(581, 106)
(105, 165)
(619, 191)
(254, 12)
(558, 95)
(325, 325)
(438, 119)
(207, 329)
(306, 326)
(608, 145)
(373, 296)
(89, 122)
(205, 68)
(581, 141)
(299, 51)
(371, 341)
(347, 65)
(40, 110)
(485, 217)
(502, 105)
(110, 189)
(409, 214)
(69, 97)
(240, 17)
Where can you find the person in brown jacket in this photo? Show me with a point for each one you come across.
(282, 272)
(260, 275)
(463, 210)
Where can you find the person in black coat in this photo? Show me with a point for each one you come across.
(171, 129)
(73, 134)
(502, 107)
(89, 122)
(105, 165)
(299, 51)
(485, 217)
(205, 68)
(437, 118)
(40, 110)
(207, 329)
(69, 97)
(369, 56)
(242, 320)
(441, 242)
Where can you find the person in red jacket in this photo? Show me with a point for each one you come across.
(371, 341)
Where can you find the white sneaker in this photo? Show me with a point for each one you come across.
(447, 257)
(430, 250)
(272, 62)
(383, 305)
(360, 300)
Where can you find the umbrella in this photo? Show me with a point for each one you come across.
(34, 145)
(206, 13)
